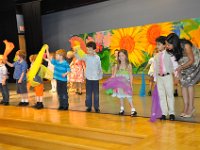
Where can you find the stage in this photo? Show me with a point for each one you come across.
(108, 104)
(24, 128)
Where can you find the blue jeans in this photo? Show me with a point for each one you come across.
(62, 94)
(5, 92)
(92, 87)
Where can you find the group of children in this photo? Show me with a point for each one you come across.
(163, 68)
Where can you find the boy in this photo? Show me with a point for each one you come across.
(164, 66)
(20, 76)
(93, 75)
(61, 70)
(3, 84)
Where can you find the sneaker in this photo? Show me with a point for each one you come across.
(172, 117)
(163, 117)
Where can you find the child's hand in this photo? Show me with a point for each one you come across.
(3, 83)
(19, 81)
(65, 74)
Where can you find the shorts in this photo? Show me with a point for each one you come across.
(39, 90)
(21, 87)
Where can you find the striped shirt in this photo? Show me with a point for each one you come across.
(60, 68)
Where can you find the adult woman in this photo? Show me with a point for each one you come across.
(188, 58)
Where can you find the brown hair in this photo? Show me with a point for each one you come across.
(32, 57)
(119, 61)
(61, 52)
(21, 53)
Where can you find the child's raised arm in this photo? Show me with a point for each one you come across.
(9, 64)
(47, 51)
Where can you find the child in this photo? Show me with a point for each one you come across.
(164, 67)
(93, 75)
(38, 84)
(3, 83)
(151, 72)
(124, 68)
(20, 69)
(61, 70)
(77, 74)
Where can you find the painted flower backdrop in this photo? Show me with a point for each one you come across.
(139, 41)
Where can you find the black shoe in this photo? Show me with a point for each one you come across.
(21, 104)
(97, 110)
(36, 104)
(40, 105)
(163, 117)
(60, 108)
(149, 93)
(66, 108)
(25, 104)
(2, 102)
(6, 103)
(88, 110)
(172, 117)
(121, 112)
(133, 113)
(175, 93)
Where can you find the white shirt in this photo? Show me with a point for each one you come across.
(3, 72)
(93, 66)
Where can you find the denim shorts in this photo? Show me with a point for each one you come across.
(21, 87)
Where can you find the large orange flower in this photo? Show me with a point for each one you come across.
(75, 41)
(131, 40)
(153, 31)
(195, 37)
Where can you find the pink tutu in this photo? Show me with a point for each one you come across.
(118, 82)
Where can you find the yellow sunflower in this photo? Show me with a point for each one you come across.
(152, 31)
(131, 40)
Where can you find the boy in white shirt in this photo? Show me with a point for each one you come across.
(93, 75)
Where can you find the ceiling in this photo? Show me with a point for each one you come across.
(50, 6)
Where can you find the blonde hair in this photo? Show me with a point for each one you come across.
(61, 52)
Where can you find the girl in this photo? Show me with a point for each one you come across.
(77, 74)
(124, 69)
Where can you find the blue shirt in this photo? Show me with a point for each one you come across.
(19, 69)
(60, 68)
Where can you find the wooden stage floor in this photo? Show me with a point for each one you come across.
(27, 128)
(108, 104)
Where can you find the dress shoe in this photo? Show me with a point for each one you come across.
(149, 93)
(189, 115)
(21, 104)
(25, 104)
(88, 110)
(6, 103)
(97, 110)
(172, 117)
(133, 113)
(40, 105)
(176, 93)
(163, 117)
(121, 112)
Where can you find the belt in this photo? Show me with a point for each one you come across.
(162, 75)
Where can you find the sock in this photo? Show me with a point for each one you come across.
(22, 100)
(26, 100)
(132, 109)
(122, 108)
